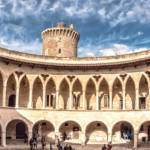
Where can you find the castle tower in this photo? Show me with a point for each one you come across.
(60, 41)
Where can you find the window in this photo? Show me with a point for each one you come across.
(47, 101)
(121, 104)
(50, 100)
(59, 51)
(105, 100)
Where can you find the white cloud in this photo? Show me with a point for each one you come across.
(114, 50)
(29, 47)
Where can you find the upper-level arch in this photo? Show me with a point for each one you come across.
(91, 94)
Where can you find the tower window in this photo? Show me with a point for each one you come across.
(59, 51)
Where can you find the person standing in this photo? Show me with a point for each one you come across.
(50, 144)
(109, 146)
(31, 144)
(104, 147)
(43, 142)
(69, 147)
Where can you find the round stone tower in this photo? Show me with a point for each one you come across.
(60, 41)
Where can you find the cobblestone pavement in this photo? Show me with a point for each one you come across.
(75, 147)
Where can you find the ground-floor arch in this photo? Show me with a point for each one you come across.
(44, 128)
(70, 130)
(123, 133)
(16, 130)
(96, 132)
(144, 133)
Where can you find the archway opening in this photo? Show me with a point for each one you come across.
(70, 131)
(77, 94)
(96, 133)
(16, 132)
(103, 95)
(144, 134)
(143, 93)
(45, 129)
(91, 95)
(122, 133)
(11, 92)
(37, 94)
(117, 95)
(63, 94)
(51, 94)
(24, 92)
(130, 94)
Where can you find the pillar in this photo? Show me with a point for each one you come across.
(4, 93)
(70, 97)
(137, 99)
(109, 136)
(44, 96)
(110, 99)
(57, 99)
(3, 139)
(83, 138)
(135, 140)
(17, 94)
(30, 135)
(30, 96)
(124, 97)
(84, 100)
(97, 99)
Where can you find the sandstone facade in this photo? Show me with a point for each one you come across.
(92, 100)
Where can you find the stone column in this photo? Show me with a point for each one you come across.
(109, 136)
(110, 99)
(30, 103)
(124, 97)
(137, 99)
(135, 140)
(70, 97)
(83, 138)
(57, 99)
(97, 99)
(4, 93)
(84, 100)
(17, 94)
(44, 96)
(30, 133)
(3, 139)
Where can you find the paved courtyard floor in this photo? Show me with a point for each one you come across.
(76, 147)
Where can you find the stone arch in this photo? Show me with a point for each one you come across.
(37, 93)
(77, 94)
(24, 92)
(11, 90)
(117, 94)
(16, 130)
(70, 130)
(122, 132)
(130, 94)
(144, 132)
(44, 128)
(103, 95)
(63, 94)
(96, 132)
(51, 94)
(91, 95)
(143, 93)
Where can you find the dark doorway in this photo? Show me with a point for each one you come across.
(149, 133)
(12, 101)
(142, 102)
(20, 130)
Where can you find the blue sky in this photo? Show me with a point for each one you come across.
(107, 27)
